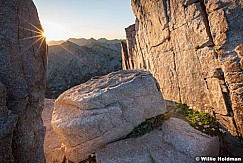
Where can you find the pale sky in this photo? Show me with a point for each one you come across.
(63, 19)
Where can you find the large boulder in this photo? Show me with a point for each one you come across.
(194, 49)
(52, 145)
(176, 140)
(103, 110)
(22, 74)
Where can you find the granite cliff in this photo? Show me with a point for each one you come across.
(22, 82)
(194, 49)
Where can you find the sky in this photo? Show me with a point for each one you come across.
(63, 19)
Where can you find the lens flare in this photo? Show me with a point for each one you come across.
(38, 35)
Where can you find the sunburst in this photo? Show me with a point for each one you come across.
(38, 37)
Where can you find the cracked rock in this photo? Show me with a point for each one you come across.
(202, 36)
(23, 53)
(175, 141)
(91, 115)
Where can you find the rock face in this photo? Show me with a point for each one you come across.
(70, 64)
(103, 110)
(194, 50)
(22, 82)
(52, 145)
(176, 140)
(8, 122)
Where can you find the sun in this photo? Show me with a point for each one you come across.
(55, 31)
(43, 34)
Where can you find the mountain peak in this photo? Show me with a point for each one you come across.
(69, 44)
(92, 39)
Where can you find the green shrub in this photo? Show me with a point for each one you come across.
(200, 120)
(147, 126)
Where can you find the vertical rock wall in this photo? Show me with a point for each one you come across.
(22, 82)
(194, 49)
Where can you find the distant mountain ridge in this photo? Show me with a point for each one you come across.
(84, 41)
(54, 42)
(75, 61)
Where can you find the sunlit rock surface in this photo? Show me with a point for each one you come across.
(103, 110)
(194, 50)
(175, 141)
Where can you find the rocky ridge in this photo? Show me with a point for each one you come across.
(70, 64)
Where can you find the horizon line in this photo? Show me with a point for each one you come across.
(87, 39)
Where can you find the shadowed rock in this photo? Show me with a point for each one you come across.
(103, 110)
(52, 145)
(8, 122)
(22, 76)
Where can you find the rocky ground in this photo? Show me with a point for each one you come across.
(121, 117)
(191, 52)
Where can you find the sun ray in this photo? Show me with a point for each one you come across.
(31, 30)
(27, 38)
(36, 30)
(34, 42)
(42, 40)
(37, 36)
(32, 25)
(67, 50)
(70, 52)
(40, 33)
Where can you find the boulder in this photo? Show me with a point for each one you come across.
(176, 140)
(52, 145)
(23, 53)
(103, 110)
(188, 140)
